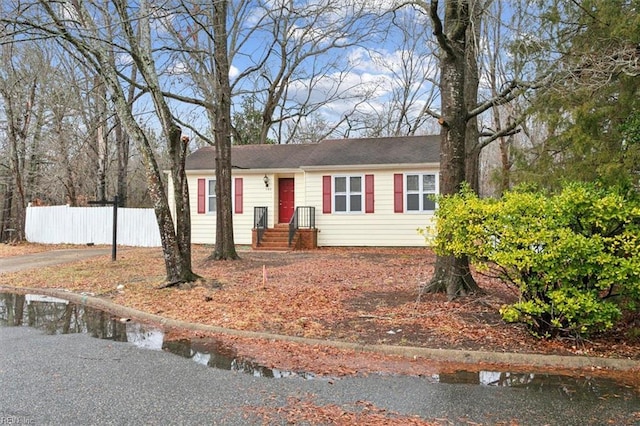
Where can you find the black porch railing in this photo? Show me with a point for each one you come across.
(303, 217)
(260, 221)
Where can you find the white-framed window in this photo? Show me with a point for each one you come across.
(211, 196)
(419, 192)
(347, 194)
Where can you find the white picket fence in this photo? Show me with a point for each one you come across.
(84, 225)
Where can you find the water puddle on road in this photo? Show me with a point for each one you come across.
(59, 316)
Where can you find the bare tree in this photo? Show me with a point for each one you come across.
(75, 25)
(20, 76)
(512, 87)
(292, 58)
(84, 131)
(497, 67)
(96, 120)
(312, 129)
(302, 69)
(50, 149)
(176, 242)
(410, 67)
(457, 36)
(101, 137)
(199, 42)
(65, 137)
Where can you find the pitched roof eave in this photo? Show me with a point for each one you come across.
(395, 166)
(362, 153)
(240, 170)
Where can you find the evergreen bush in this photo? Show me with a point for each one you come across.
(574, 256)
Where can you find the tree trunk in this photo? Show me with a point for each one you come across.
(122, 153)
(225, 246)
(176, 241)
(452, 275)
(18, 109)
(101, 139)
(505, 164)
(35, 161)
(123, 143)
(471, 83)
(20, 209)
(7, 206)
(178, 154)
(64, 153)
(18, 199)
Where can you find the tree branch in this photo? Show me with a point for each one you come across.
(442, 39)
(511, 129)
(195, 130)
(505, 96)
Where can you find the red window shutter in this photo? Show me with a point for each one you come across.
(238, 199)
(202, 194)
(398, 193)
(368, 190)
(326, 194)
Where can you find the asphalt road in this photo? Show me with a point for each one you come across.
(75, 379)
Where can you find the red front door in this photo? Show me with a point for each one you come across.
(285, 199)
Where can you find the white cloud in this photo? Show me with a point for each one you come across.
(233, 72)
(123, 59)
(178, 68)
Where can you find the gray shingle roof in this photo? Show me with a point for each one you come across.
(335, 152)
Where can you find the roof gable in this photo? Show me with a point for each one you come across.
(334, 152)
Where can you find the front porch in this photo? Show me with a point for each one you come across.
(299, 234)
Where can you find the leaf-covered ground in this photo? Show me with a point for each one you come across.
(365, 295)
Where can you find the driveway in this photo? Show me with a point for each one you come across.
(48, 258)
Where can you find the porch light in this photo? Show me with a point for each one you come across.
(265, 179)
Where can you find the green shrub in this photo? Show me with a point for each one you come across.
(574, 256)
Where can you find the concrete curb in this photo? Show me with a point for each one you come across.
(443, 355)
